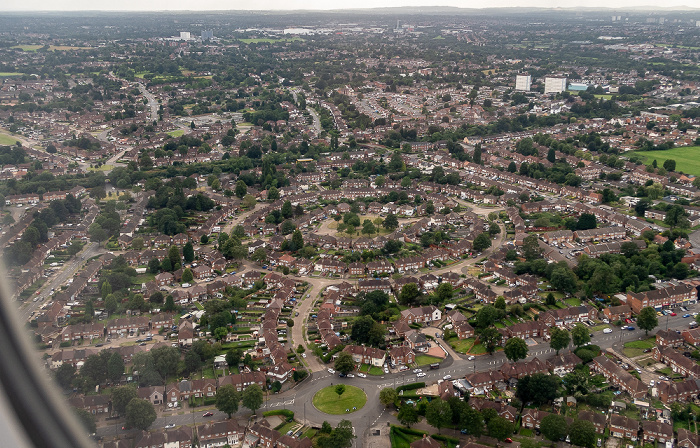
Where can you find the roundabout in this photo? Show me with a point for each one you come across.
(328, 401)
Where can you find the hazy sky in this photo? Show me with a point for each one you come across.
(201, 5)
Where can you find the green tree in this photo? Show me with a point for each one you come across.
(515, 349)
(140, 414)
(444, 292)
(368, 228)
(582, 433)
(647, 319)
(408, 415)
(252, 397)
(388, 396)
(390, 223)
(486, 316)
(187, 275)
(188, 252)
(174, 257)
(538, 388)
(499, 428)
(564, 279)
(233, 357)
(121, 397)
(438, 413)
(169, 304)
(241, 189)
(409, 294)
(65, 374)
(500, 303)
(287, 209)
(472, 420)
(115, 367)
(227, 399)
(554, 427)
(339, 390)
(559, 338)
(669, 165)
(580, 335)
(531, 248)
(297, 241)
(165, 360)
(482, 242)
(344, 363)
(273, 194)
(106, 289)
(490, 338)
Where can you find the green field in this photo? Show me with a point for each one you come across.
(326, 400)
(7, 140)
(636, 348)
(10, 74)
(687, 158)
(424, 360)
(177, 133)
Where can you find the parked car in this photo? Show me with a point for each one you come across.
(447, 377)
(331, 371)
(208, 414)
(420, 374)
(630, 328)
(350, 375)
(471, 358)
(686, 315)
(673, 314)
(508, 440)
(417, 370)
(607, 331)
(362, 375)
(170, 425)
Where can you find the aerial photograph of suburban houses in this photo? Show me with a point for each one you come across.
(410, 227)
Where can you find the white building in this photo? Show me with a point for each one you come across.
(185, 35)
(523, 82)
(554, 85)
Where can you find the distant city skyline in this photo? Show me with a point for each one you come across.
(286, 5)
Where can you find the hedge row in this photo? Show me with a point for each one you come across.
(411, 386)
(286, 412)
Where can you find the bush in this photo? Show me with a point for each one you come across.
(65, 344)
(411, 386)
(286, 412)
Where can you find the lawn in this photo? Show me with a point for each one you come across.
(636, 348)
(326, 400)
(10, 74)
(687, 158)
(377, 371)
(573, 301)
(424, 360)
(7, 140)
(461, 345)
(176, 133)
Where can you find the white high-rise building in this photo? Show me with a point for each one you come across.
(185, 35)
(523, 82)
(554, 85)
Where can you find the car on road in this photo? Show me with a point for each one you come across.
(362, 375)
(417, 370)
(420, 374)
(686, 315)
(607, 331)
(208, 414)
(624, 327)
(447, 377)
(350, 375)
(471, 358)
(630, 328)
(403, 368)
(170, 425)
(331, 371)
(342, 375)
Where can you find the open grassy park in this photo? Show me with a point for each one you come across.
(687, 158)
(7, 140)
(326, 400)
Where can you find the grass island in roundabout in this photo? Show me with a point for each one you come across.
(327, 400)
